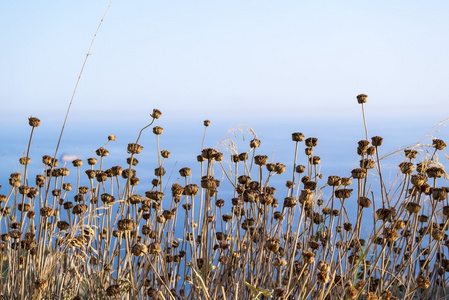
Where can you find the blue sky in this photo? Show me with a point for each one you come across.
(238, 61)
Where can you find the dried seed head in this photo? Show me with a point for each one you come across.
(134, 148)
(260, 160)
(390, 234)
(126, 225)
(418, 179)
(80, 209)
(351, 292)
(423, 282)
(406, 167)
(358, 173)
(367, 163)
(165, 153)
(280, 168)
(107, 199)
(343, 193)
(254, 143)
(412, 154)
(308, 151)
(102, 152)
(438, 144)
(439, 194)
(297, 137)
(47, 211)
(346, 181)
(113, 290)
(308, 257)
(435, 172)
(157, 130)
(311, 142)
(24, 160)
(191, 190)
(139, 249)
(334, 180)
(34, 122)
(364, 202)
(208, 153)
(156, 113)
(92, 161)
(132, 161)
(300, 169)
(377, 141)
(362, 98)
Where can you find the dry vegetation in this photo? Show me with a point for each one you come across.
(101, 237)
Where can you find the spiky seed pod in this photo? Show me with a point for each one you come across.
(371, 150)
(300, 169)
(135, 199)
(127, 174)
(364, 202)
(406, 167)
(425, 188)
(134, 181)
(358, 173)
(308, 257)
(159, 171)
(260, 160)
(101, 176)
(191, 189)
(126, 224)
(24, 207)
(439, 194)
(270, 167)
(297, 137)
(362, 146)
(132, 161)
(91, 173)
(362, 98)
(92, 161)
(311, 142)
(185, 172)
(334, 180)
(139, 249)
(438, 144)
(423, 282)
(47, 211)
(343, 193)
(157, 130)
(134, 148)
(107, 199)
(40, 180)
(80, 209)
(367, 163)
(23, 189)
(435, 172)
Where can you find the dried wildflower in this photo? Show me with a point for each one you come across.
(308, 257)
(191, 189)
(309, 185)
(358, 173)
(435, 172)
(316, 160)
(438, 144)
(390, 234)
(300, 169)
(254, 143)
(343, 193)
(113, 290)
(261, 160)
(297, 137)
(376, 141)
(418, 179)
(47, 211)
(439, 194)
(423, 282)
(411, 154)
(102, 152)
(24, 160)
(346, 181)
(311, 142)
(308, 151)
(273, 244)
(385, 214)
(126, 224)
(155, 248)
(34, 122)
(323, 266)
(280, 168)
(437, 234)
(351, 292)
(406, 167)
(134, 148)
(40, 284)
(139, 249)
(156, 113)
(367, 163)
(107, 199)
(364, 202)
(227, 217)
(334, 180)
(157, 130)
(362, 98)
(80, 209)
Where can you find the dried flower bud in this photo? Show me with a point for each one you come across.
(254, 143)
(435, 172)
(412, 154)
(311, 142)
(111, 137)
(300, 169)
(165, 153)
(261, 160)
(92, 161)
(406, 167)
(377, 141)
(156, 113)
(102, 152)
(343, 193)
(358, 173)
